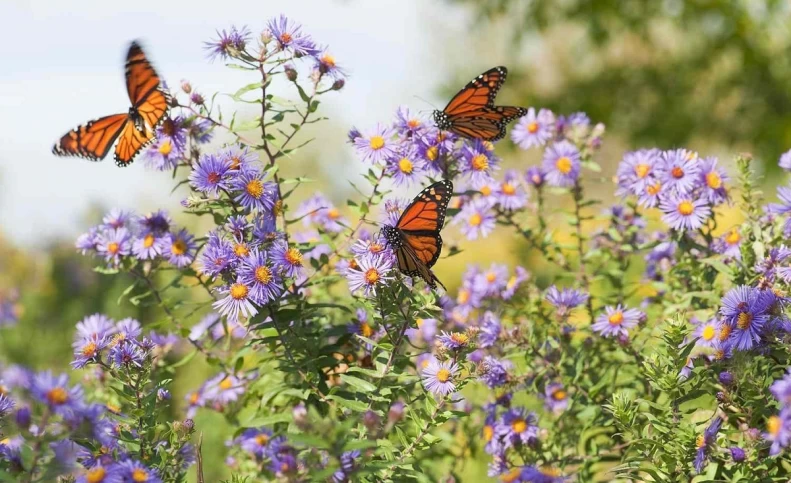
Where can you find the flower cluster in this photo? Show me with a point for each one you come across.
(99, 340)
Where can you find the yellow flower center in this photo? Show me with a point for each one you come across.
(178, 247)
(616, 318)
(241, 249)
(278, 208)
(713, 180)
(413, 123)
(58, 396)
(294, 257)
(773, 425)
(443, 375)
(148, 241)
(654, 189)
(255, 188)
(488, 433)
(372, 276)
(733, 237)
(239, 291)
(375, 248)
(491, 277)
(366, 330)
(532, 128)
(432, 153)
(139, 475)
(262, 439)
(377, 142)
(559, 395)
(165, 148)
(744, 320)
(641, 170)
(519, 425)
(725, 331)
(424, 364)
(686, 208)
(89, 349)
(328, 59)
(512, 475)
(405, 166)
(95, 475)
(194, 398)
(480, 162)
(475, 219)
(459, 338)
(333, 213)
(113, 408)
(226, 384)
(677, 172)
(419, 323)
(708, 333)
(263, 275)
(235, 162)
(485, 190)
(463, 297)
(508, 189)
(563, 164)
(113, 247)
(700, 441)
(285, 38)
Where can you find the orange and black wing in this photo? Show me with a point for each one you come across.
(130, 142)
(94, 139)
(478, 93)
(144, 87)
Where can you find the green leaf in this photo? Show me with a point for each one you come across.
(271, 420)
(249, 87)
(358, 383)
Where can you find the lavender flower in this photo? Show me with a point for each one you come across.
(535, 176)
(565, 300)
(288, 260)
(55, 392)
(704, 441)
(517, 426)
(256, 273)
(478, 161)
(561, 164)
(372, 271)
(681, 170)
(476, 219)
(778, 431)
(137, 472)
(406, 167)
(746, 310)
(254, 193)
(490, 330)
(290, 38)
(713, 179)
(440, 377)
(217, 255)
(684, 213)
(511, 195)
(494, 371)
(211, 174)
(616, 321)
(236, 302)
(454, 340)
(556, 398)
(533, 129)
(637, 170)
(376, 145)
(227, 43)
(179, 248)
(114, 244)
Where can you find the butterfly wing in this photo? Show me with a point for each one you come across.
(479, 92)
(94, 139)
(130, 142)
(144, 87)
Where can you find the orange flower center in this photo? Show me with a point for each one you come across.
(432, 153)
(480, 162)
(239, 291)
(563, 164)
(179, 247)
(773, 425)
(677, 172)
(255, 188)
(57, 396)
(642, 170)
(459, 338)
(139, 475)
(519, 425)
(713, 180)
(532, 128)
(443, 375)
(328, 60)
(616, 318)
(113, 247)
(333, 213)
(485, 190)
(463, 297)
(241, 249)
(165, 148)
(148, 241)
(263, 275)
(654, 189)
(475, 219)
(366, 330)
(733, 237)
(262, 439)
(285, 38)
(708, 333)
(488, 433)
(559, 395)
(508, 189)
(294, 257)
(226, 384)
(686, 208)
(89, 349)
(744, 320)
(413, 123)
(372, 276)
(95, 475)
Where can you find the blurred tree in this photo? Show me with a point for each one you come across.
(659, 71)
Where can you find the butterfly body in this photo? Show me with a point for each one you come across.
(472, 114)
(416, 239)
(132, 130)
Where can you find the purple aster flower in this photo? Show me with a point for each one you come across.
(490, 330)
(681, 172)
(516, 426)
(371, 272)
(440, 377)
(652, 194)
(534, 129)
(510, 194)
(409, 125)
(288, 260)
(321, 211)
(492, 281)
(454, 340)
(240, 158)
(162, 155)
(217, 255)
(101, 473)
(746, 310)
(478, 161)
(785, 161)
(255, 441)
(778, 431)
(157, 222)
(6, 405)
(565, 300)
(137, 472)
(684, 213)
(426, 331)
(55, 392)
(94, 326)
(125, 355)
(546, 474)
(616, 321)
(476, 219)
(535, 176)
(514, 282)
(237, 301)
(729, 244)
(494, 371)
(706, 333)
(179, 248)
(147, 247)
(556, 399)
(561, 164)
(114, 244)
(254, 193)
(326, 65)
(393, 209)
(713, 179)
(737, 454)
(88, 350)
(704, 441)
(265, 227)
(224, 389)
(211, 174)
(405, 167)
(264, 282)
(376, 145)
(118, 218)
(637, 170)
(290, 38)
(88, 242)
(769, 265)
(314, 249)
(228, 43)
(783, 208)
(781, 390)
(174, 131)
(201, 130)
(237, 226)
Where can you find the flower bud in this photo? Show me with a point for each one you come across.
(23, 417)
(300, 415)
(186, 86)
(198, 99)
(163, 394)
(737, 454)
(396, 412)
(371, 420)
(726, 378)
(291, 72)
(338, 84)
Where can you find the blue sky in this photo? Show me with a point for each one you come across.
(63, 65)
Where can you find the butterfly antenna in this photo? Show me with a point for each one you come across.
(433, 107)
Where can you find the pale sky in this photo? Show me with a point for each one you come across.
(63, 65)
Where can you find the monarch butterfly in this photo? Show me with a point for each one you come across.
(472, 113)
(415, 238)
(134, 129)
